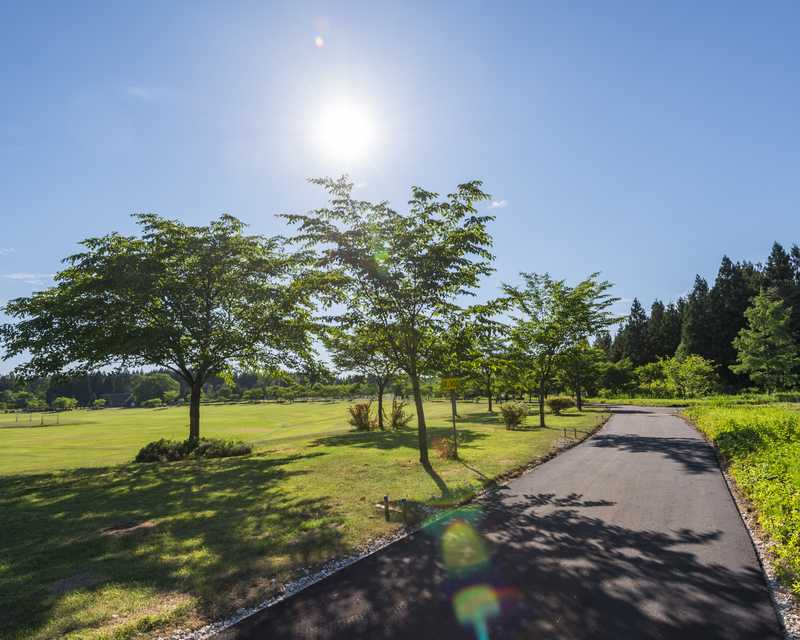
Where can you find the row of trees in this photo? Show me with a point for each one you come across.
(747, 324)
(376, 285)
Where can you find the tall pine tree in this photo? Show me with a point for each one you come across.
(696, 329)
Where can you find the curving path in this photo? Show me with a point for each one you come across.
(631, 534)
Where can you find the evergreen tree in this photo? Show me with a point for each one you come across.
(696, 330)
(782, 275)
(728, 300)
(635, 343)
(603, 342)
(765, 348)
(671, 327)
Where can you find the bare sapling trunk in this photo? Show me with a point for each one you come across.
(194, 410)
(422, 430)
(489, 390)
(381, 385)
(578, 395)
(541, 404)
(455, 431)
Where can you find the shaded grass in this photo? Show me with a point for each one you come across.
(761, 445)
(89, 550)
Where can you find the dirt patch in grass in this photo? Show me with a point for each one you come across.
(127, 528)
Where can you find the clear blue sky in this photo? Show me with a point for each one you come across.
(640, 139)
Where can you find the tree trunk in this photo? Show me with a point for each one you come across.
(489, 390)
(194, 410)
(578, 396)
(380, 405)
(541, 404)
(422, 430)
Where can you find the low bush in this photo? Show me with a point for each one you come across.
(557, 404)
(445, 448)
(171, 450)
(514, 414)
(399, 417)
(152, 403)
(360, 416)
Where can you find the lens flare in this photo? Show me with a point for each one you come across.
(463, 550)
(475, 606)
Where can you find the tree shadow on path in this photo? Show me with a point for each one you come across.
(535, 566)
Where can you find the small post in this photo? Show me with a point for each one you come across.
(404, 505)
(565, 433)
(575, 432)
(41, 419)
(386, 507)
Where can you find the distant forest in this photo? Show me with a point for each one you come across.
(707, 320)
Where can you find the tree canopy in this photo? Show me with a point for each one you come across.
(188, 299)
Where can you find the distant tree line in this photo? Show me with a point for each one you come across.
(709, 322)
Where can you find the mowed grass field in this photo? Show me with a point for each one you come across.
(94, 546)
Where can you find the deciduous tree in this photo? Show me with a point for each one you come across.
(188, 299)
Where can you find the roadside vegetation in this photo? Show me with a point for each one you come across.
(761, 446)
(89, 550)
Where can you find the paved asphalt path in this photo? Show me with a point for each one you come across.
(631, 534)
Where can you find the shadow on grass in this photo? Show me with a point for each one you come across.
(537, 566)
(215, 529)
(405, 438)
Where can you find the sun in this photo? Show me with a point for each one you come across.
(344, 131)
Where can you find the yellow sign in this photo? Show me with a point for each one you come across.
(450, 384)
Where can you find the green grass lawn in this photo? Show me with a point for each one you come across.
(93, 546)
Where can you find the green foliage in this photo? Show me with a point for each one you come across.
(762, 446)
(152, 403)
(691, 377)
(153, 385)
(549, 318)
(63, 403)
(99, 403)
(398, 416)
(171, 450)
(190, 299)
(514, 414)
(402, 272)
(361, 416)
(172, 396)
(765, 349)
(557, 404)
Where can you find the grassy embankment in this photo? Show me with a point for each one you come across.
(761, 445)
(93, 546)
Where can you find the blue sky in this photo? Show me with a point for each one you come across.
(643, 140)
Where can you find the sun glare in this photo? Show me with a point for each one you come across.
(344, 132)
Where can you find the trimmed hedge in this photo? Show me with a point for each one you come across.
(171, 450)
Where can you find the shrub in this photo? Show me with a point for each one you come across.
(557, 404)
(360, 416)
(64, 403)
(171, 397)
(514, 414)
(171, 450)
(152, 403)
(445, 448)
(100, 403)
(399, 417)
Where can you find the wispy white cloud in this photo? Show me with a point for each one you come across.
(498, 204)
(140, 92)
(36, 279)
(4, 251)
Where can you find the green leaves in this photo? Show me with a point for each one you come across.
(765, 348)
